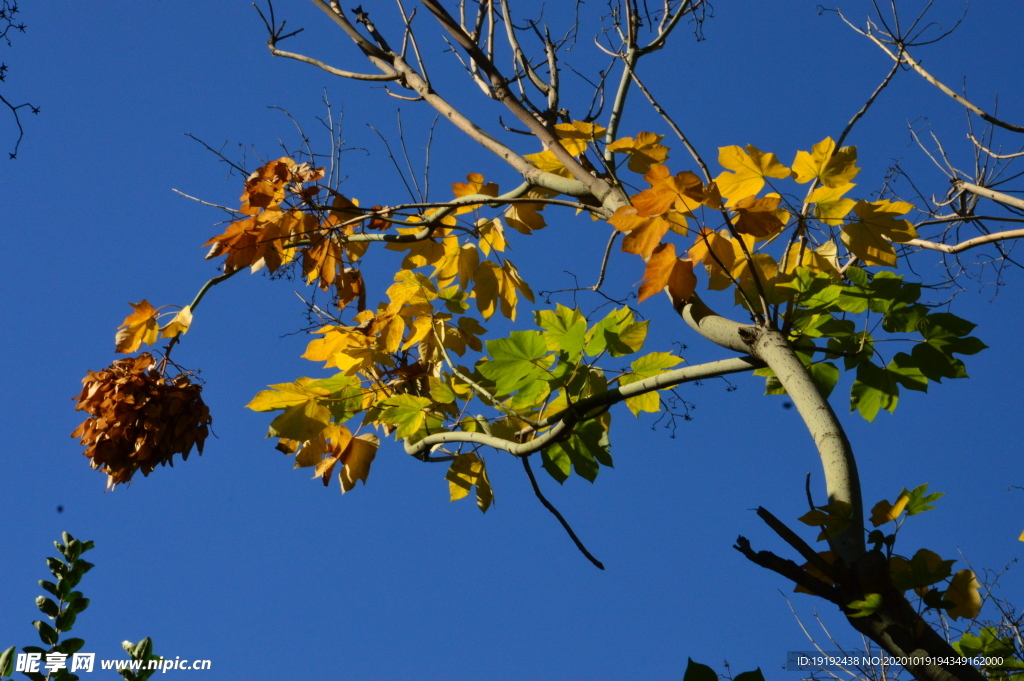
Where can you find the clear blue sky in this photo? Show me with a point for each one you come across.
(236, 558)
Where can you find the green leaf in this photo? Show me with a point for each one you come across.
(616, 333)
(516, 361)
(586, 449)
(904, 319)
(935, 364)
(46, 633)
(408, 413)
(564, 330)
(945, 324)
(557, 463)
(66, 620)
(47, 606)
(50, 587)
(825, 376)
(905, 371)
(858, 276)
(866, 607)
(920, 500)
(696, 671)
(853, 299)
(300, 422)
(57, 568)
(7, 662)
(70, 645)
(873, 390)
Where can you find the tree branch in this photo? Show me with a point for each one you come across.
(554, 512)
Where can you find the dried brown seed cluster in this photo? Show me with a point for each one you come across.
(139, 418)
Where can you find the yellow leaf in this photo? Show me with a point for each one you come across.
(880, 217)
(869, 245)
(178, 325)
(466, 471)
(821, 259)
(829, 205)
(139, 327)
(492, 235)
(884, 512)
(684, 191)
(832, 168)
(474, 185)
(1021, 537)
(284, 395)
(964, 591)
(485, 288)
(410, 288)
(359, 454)
(579, 130)
(469, 258)
(509, 283)
(715, 251)
(644, 150)
(548, 162)
(749, 168)
(658, 270)
(335, 340)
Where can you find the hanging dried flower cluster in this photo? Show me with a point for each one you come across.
(138, 418)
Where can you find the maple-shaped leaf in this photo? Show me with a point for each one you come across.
(474, 184)
(574, 136)
(357, 457)
(884, 512)
(921, 571)
(300, 422)
(830, 167)
(617, 334)
(646, 234)
(408, 413)
(524, 216)
(564, 330)
(684, 192)
(265, 187)
(410, 288)
(869, 238)
(657, 271)
(179, 325)
(644, 150)
(829, 205)
(645, 367)
(467, 471)
(548, 162)
(716, 251)
(139, 327)
(509, 288)
(586, 450)
(965, 592)
(746, 171)
(758, 217)
(819, 260)
(516, 361)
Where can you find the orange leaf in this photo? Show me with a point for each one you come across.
(658, 271)
(682, 282)
(139, 327)
(644, 239)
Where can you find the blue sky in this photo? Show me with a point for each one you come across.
(236, 558)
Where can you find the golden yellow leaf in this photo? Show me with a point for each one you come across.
(466, 471)
(474, 184)
(749, 168)
(869, 245)
(410, 288)
(179, 325)
(580, 130)
(658, 271)
(880, 217)
(137, 328)
(832, 168)
(492, 235)
(821, 259)
(548, 162)
(644, 150)
(485, 287)
(469, 258)
(829, 205)
(359, 454)
(964, 591)
(884, 512)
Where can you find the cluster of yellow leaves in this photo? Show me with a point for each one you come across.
(143, 326)
(332, 446)
(731, 256)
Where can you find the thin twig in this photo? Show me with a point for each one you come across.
(554, 512)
